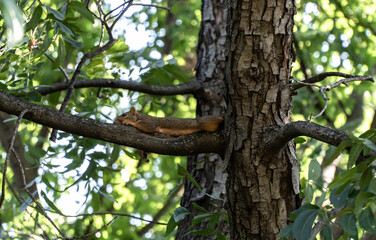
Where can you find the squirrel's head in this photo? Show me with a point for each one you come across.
(127, 118)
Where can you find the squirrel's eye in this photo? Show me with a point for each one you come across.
(123, 115)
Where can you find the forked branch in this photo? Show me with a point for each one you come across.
(311, 82)
(318, 78)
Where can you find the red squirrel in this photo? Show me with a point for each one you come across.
(169, 125)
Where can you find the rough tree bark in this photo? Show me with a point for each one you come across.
(262, 187)
(210, 71)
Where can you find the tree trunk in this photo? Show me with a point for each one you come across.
(211, 172)
(262, 187)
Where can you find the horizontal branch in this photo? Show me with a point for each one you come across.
(322, 76)
(185, 88)
(119, 134)
(277, 138)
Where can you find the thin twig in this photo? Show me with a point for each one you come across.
(120, 15)
(20, 116)
(151, 5)
(107, 213)
(323, 222)
(89, 234)
(86, 57)
(322, 76)
(311, 82)
(40, 207)
(60, 68)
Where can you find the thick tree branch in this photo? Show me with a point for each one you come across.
(123, 135)
(185, 88)
(277, 138)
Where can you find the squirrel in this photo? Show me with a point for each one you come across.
(169, 125)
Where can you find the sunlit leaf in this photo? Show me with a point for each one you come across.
(314, 170)
(180, 213)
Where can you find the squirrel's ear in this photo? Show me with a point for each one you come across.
(133, 111)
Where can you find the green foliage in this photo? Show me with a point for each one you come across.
(79, 175)
(181, 213)
(351, 197)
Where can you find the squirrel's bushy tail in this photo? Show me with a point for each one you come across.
(210, 123)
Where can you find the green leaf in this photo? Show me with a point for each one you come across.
(369, 144)
(340, 179)
(171, 225)
(286, 232)
(49, 202)
(361, 201)
(177, 72)
(75, 44)
(341, 147)
(64, 28)
(131, 155)
(201, 217)
(13, 21)
(195, 205)
(58, 15)
(366, 178)
(354, 154)
(190, 178)
(214, 197)
(160, 63)
(35, 19)
(321, 200)
(308, 193)
(326, 232)
(339, 200)
(81, 8)
(298, 140)
(182, 171)
(303, 224)
(372, 186)
(220, 236)
(107, 196)
(314, 170)
(367, 220)
(348, 224)
(180, 213)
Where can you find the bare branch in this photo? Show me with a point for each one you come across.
(60, 68)
(86, 57)
(276, 139)
(107, 213)
(119, 134)
(322, 76)
(39, 206)
(317, 78)
(171, 200)
(89, 234)
(152, 5)
(185, 88)
(10, 149)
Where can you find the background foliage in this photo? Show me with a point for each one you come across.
(80, 175)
